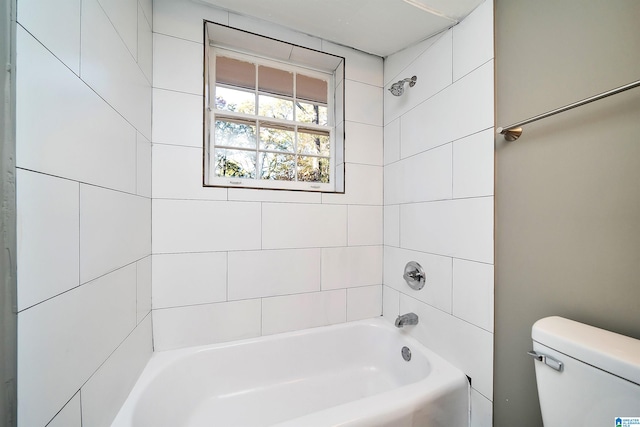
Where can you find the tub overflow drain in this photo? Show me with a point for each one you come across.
(406, 353)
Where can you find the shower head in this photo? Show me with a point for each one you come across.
(397, 88)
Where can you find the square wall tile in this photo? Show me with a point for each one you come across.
(364, 225)
(177, 118)
(56, 25)
(254, 274)
(81, 137)
(473, 165)
(438, 269)
(351, 266)
(294, 312)
(115, 230)
(205, 226)
(48, 221)
(70, 415)
(294, 225)
(364, 302)
(177, 64)
(65, 339)
(473, 286)
(108, 388)
(189, 279)
(363, 143)
(205, 324)
(481, 410)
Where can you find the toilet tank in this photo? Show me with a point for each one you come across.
(586, 376)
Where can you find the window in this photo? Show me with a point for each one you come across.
(270, 122)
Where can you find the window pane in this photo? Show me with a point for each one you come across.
(281, 167)
(235, 72)
(235, 133)
(273, 80)
(235, 163)
(277, 108)
(313, 169)
(312, 113)
(274, 137)
(310, 142)
(311, 89)
(235, 100)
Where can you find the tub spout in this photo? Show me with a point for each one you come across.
(406, 319)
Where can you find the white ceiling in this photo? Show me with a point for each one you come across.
(380, 27)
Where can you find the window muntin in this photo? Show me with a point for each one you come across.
(271, 122)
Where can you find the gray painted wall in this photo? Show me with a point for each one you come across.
(567, 192)
(8, 328)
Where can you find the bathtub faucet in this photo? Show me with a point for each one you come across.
(406, 319)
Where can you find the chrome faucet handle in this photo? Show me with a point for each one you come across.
(414, 275)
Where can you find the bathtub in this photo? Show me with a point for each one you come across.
(351, 374)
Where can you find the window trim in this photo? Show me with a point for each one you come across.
(335, 128)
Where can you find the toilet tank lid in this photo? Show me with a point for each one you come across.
(611, 352)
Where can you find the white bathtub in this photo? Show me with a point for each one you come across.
(350, 374)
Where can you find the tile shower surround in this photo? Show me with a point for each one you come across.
(90, 319)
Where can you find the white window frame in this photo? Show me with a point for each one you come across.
(336, 156)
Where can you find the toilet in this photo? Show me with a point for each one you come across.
(586, 376)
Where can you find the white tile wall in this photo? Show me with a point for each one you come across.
(77, 121)
(363, 143)
(473, 293)
(108, 388)
(70, 415)
(145, 45)
(392, 225)
(363, 184)
(368, 108)
(364, 225)
(364, 302)
(143, 288)
(301, 225)
(473, 41)
(255, 274)
(473, 159)
(200, 324)
(115, 230)
(65, 339)
(48, 236)
(177, 118)
(189, 278)
(205, 226)
(351, 266)
(177, 64)
(438, 197)
(56, 25)
(111, 70)
(123, 15)
(291, 312)
(84, 183)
